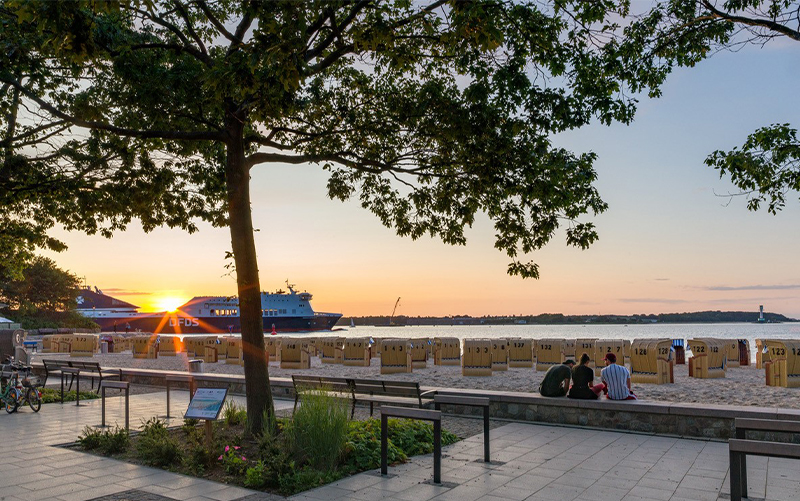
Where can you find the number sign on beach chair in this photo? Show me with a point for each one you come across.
(356, 352)
(395, 356)
(145, 346)
(447, 351)
(650, 361)
(169, 346)
(83, 345)
(64, 343)
(604, 347)
(419, 353)
(332, 350)
(568, 348)
(520, 352)
(708, 359)
(295, 353)
(477, 358)
(499, 354)
(589, 347)
(233, 350)
(783, 369)
(272, 345)
(549, 352)
(731, 353)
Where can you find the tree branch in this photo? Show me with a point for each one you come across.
(213, 19)
(763, 23)
(142, 134)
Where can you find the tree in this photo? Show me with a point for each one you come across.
(426, 112)
(43, 297)
(684, 32)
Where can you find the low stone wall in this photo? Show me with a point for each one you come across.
(662, 418)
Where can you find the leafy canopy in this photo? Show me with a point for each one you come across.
(424, 112)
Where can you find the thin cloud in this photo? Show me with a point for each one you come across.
(652, 300)
(126, 292)
(727, 288)
(661, 279)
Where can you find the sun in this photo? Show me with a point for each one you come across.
(169, 303)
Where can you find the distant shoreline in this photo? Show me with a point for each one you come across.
(702, 317)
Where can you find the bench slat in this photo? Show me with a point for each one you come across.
(411, 413)
(115, 384)
(757, 448)
(767, 425)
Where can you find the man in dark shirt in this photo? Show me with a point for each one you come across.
(556, 380)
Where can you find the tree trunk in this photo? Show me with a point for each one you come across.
(256, 371)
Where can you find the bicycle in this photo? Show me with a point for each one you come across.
(9, 395)
(18, 392)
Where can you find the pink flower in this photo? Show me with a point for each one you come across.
(236, 447)
(227, 448)
(244, 458)
(219, 458)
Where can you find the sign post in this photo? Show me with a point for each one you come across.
(206, 404)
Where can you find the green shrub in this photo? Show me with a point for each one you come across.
(233, 415)
(155, 446)
(198, 459)
(110, 441)
(318, 430)
(406, 438)
(52, 395)
(234, 462)
(299, 480)
(363, 450)
(257, 476)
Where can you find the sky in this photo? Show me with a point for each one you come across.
(669, 242)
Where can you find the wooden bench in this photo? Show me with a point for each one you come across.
(337, 385)
(93, 371)
(421, 414)
(387, 392)
(53, 367)
(740, 447)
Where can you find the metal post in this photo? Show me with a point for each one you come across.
(486, 434)
(103, 406)
(78, 388)
(62, 387)
(127, 408)
(384, 445)
(736, 476)
(437, 452)
(741, 433)
(168, 398)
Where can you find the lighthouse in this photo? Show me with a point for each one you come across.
(761, 313)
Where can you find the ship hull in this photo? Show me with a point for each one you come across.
(182, 324)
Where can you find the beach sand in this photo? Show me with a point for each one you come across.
(741, 386)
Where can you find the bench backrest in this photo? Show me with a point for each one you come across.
(334, 384)
(746, 424)
(388, 388)
(55, 365)
(87, 366)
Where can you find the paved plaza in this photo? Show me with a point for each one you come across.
(533, 462)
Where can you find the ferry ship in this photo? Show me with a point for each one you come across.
(281, 312)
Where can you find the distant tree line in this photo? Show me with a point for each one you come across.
(43, 297)
(558, 318)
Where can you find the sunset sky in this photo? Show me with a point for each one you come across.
(668, 242)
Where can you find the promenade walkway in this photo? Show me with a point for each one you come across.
(531, 462)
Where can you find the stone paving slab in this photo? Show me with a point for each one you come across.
(49, 472)
(545, 462)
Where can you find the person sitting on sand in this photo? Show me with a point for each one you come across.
(583, 386)
(617, 380)
(556, 380)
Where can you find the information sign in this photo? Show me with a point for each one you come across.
(206, 403)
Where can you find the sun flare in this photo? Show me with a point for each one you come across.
(169, 304)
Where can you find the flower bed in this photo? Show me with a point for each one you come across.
(318, 445)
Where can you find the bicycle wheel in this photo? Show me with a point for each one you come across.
(34, 399)
(12, 402)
